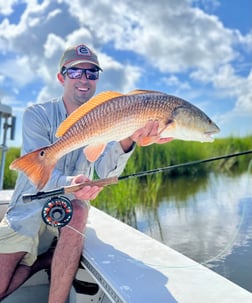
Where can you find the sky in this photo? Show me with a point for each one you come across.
(198, 50)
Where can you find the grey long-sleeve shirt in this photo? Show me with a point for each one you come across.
(40, 123)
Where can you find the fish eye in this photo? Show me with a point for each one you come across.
(42, 153)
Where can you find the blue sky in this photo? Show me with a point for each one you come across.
(199, 50)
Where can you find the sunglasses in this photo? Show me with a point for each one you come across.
(77, 73)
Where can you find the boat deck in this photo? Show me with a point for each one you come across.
(132, 267)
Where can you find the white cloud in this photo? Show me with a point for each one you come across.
(231, 85)
(208, 5)
(245, 41)
(174, 81)
(170, 36)
(18, 71)
(244, 99)
(6, 7)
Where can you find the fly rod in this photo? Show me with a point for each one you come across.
(114, 180)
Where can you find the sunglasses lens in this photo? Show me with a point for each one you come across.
(74, 73)
(91, 74)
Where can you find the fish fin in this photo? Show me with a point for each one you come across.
(84, 109)
(143, 91)
(35, 166)
(137, 91)
(145, 141)
(164, 140)
(93, 151)
(150, 140)
(162, 136)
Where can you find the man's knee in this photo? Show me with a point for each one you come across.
(79, 217)
(8, 264)
(80, 210)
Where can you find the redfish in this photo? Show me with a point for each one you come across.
(112, 116)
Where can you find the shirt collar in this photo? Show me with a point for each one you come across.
(63, 110)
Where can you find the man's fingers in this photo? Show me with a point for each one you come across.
(149, 130)
(164, 140)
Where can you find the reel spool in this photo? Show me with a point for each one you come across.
(57, 211)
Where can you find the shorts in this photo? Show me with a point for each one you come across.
(11, 241)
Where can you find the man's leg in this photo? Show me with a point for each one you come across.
(67, 254)
(12, 275)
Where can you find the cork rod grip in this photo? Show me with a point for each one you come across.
(100, 183)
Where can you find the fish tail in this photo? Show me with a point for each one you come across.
(36, 165)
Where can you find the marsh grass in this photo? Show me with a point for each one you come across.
(10, 176)
(125, 198)
(155, 156)
(144, 191)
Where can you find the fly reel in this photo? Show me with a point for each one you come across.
(57, 211)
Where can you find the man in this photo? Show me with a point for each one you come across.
(25, 240)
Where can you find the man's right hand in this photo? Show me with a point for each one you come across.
(87, 192)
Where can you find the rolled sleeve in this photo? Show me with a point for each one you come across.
(113, 161)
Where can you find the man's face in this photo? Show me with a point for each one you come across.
(78, 91)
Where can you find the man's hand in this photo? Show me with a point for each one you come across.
(87, 192)
(145, 136)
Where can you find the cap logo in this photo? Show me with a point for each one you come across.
(82, 50)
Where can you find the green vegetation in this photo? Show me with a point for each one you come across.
(120, 200)
(155, 156)
(10, 176)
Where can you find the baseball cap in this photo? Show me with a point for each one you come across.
(74, 55)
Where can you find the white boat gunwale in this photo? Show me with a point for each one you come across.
(129, 266)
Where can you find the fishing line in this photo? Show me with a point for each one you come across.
(229, 245)
(76, 230)
(215, 258)
(60, 191)
(232, 240)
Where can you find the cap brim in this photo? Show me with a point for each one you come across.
(71, 64)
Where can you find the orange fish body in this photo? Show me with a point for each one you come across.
(111, 116)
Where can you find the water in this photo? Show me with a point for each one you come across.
(207, 219)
